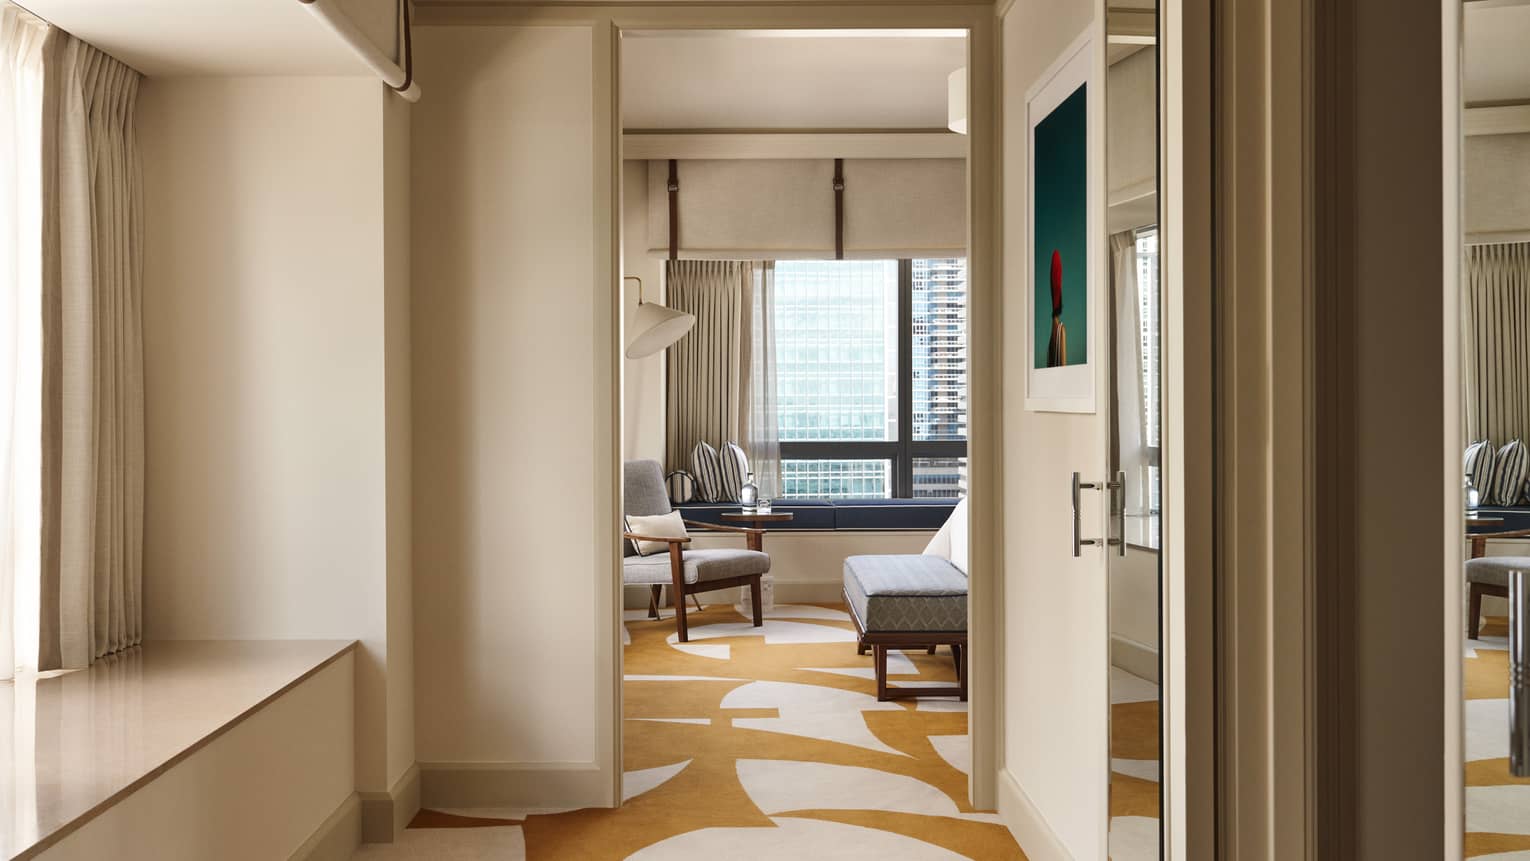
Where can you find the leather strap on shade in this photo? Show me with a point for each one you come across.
(839, 209)
(674, 209)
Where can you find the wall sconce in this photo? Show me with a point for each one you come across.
(654, 326)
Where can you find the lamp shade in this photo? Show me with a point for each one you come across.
(956, 101)
(655, 327)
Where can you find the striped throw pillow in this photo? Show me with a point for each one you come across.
(735, 471)
(1478, 464)
(1510, 466)
(706, 469)
(681, 487)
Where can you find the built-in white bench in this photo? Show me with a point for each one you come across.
(192, 749)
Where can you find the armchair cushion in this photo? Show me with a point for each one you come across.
(700, 566)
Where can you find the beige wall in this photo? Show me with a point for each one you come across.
(1053, 787)
(255, 793)
(643, 402)
(265, 377)
(398, 437)
(508, 445)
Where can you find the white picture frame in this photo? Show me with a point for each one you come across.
(1072, 388)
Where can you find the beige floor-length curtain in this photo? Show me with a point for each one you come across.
(1496, 342)
(764, 438)
(21, 82)
(708, 382)
(92, 358)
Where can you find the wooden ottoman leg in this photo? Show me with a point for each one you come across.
(930, 650)
(1474, 611)
(860, 646)
(880, 659)
(961, 671)
(654, 593)
(956, 658)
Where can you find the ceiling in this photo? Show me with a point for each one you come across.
(1495, 53)
(219, 37)
(875, 79)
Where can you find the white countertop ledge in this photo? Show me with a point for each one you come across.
(73, 744)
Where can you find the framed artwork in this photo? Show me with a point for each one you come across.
(1064, 234)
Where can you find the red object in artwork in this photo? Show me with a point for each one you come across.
(1056, 282)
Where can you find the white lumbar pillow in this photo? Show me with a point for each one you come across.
(669, 525)
(950, 543)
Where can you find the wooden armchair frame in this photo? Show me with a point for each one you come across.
(679, 588)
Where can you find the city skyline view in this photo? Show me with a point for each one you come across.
(837, 327)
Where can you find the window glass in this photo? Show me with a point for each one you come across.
(836, 479)
(940, 477)
(837, 349)
(1152, 357)
(940, 349)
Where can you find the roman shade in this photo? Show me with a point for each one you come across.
(1497, 193)
(783, 209)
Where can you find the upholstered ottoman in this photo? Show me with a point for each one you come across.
(908, 601)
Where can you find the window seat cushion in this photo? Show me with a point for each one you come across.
(838, 514)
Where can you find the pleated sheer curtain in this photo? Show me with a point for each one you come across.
(715, 371)
(1496, 342)
(21, 94)
(1129, 433)
(92, 417)
(72, 376)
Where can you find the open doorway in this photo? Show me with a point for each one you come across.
(802, 197)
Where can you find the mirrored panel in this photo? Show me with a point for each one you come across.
(1135, 405)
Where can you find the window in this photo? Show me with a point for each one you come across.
(871, 378)
(1152, 358)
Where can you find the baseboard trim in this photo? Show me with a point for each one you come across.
(337, 837)
(535, 785)
(1134, 657)
(1036, 838)
(385, 814)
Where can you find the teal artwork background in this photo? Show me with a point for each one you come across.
(1061, 223)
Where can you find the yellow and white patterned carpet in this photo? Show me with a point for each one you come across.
(769, 743)
(1497, 804)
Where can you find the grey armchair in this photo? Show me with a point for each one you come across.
(685, 571)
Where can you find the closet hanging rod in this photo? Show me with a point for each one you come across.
(400, 80)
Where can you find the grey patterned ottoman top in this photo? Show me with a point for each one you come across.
(906, 593)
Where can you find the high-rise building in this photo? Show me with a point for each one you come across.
(940, 371)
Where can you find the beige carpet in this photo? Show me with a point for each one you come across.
(757, 743)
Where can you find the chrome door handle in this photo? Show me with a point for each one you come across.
(1079, 542)
(1519, 674)
(1119, 512)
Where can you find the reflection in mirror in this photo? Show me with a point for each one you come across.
(1495, 388)
(1135, 405)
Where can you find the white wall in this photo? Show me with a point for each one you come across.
(1055, 636)
(508, 446)
(265, 330)
(643, 401)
